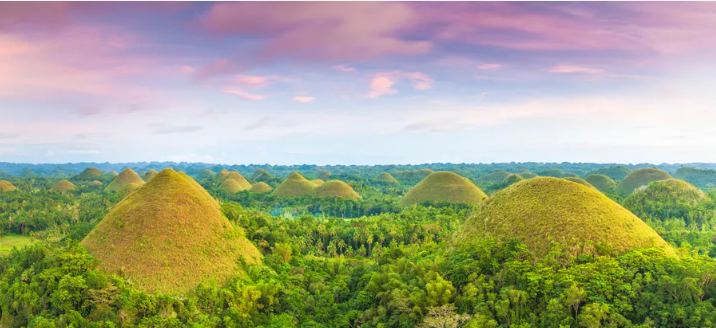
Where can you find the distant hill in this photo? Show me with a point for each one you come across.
(640, 178)
(127, 179)
(336, 188)
(444, 187)
(296, 185)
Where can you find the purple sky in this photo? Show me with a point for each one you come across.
(358, 83)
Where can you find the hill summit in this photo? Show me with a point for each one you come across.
(602, 182)
(336, 188)
(236, 176)
(90, 173)
(260, 187)
(385, 177)
(6, 186)
(63, 186)
(261, 175)
(640, 178)
(169, 236)
(126, 179)
(149, 175)
(444, 187)
(296, 185)
(545, 210)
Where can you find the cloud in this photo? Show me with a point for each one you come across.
(83, 151)
(251, 80)
(243, 94)
(221, 67)
(160, 129)
(575, 69)
(320, 30)
(382, 83)
(303, 99)
(344, 68)
(489, 66)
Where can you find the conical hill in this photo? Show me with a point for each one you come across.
(149, 175)
(168, 237)
(444, 187)
(602, 182)
(385, 177)
(127, 179)
(6, 186)
(640, 178)
(63, 186)
(336, 188)
(296, 185)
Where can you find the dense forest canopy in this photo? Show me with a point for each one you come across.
(333, 259)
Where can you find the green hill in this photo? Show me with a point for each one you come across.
(236, 176)
(640, 178)
(261, 175)
(6, 186)
(444, 187)
(602, 182)
(90, 173)
(219, 177)
(63, 186)
(385, 177)
(149, 175)
(494, 177)
(260, 187)
(324, 175)
(205, 174)
(670, 199)
(231, 186)
(580, 181)
(168, 237)
(112, 174)
(545, 210)
(556, 173)
(318, 182)
(698, 177)
(616, 173)
(336, 188)
(294, 186)
(570, 175)
(528, 175)
(126, 179)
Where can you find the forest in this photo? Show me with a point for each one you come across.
(432, 245)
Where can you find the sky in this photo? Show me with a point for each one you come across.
(358, 82)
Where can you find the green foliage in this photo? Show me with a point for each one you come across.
(616, 173)
(640, 178)
(495, 177)
(698, 177)
(672, 199)
(602, 182)
(8, 242)
(385, 177)
(444, 187)
(545, 211)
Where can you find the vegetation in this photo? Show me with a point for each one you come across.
(111, 174)
(126, 180)
(580, 181)
(336, 188)
(63, 186)
(294, 186)
(698, 177)
(318, 182)
(444, 187)
(640, 178)
(543, 212)
(672, 199)
(205, 174)
(261, 175)
(570, 175)
(230, 186)
(159, 236)
(495, 177)
(236, 176)
(6, 186)
(89, 174)
(219, 177)
(149, 175)
(385, 177)
(260, 187)
(8, 242)
(616, 173)
(602, 182)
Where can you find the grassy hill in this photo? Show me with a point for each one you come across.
(219, 177)
(169, 237)
(127, 179)
(90, 173)
(111, 174)
(149, 175)
(6, 186)
(528, 175)
(385, 177)
(494, 177)
(63, 186)
(671, 199)
(545, 210)
(336, 188)
(296, 185)
(580, 181)
(231, 186)
(639, 178)
(260, 187)
(616, 173)
(205, 174)
(602, 182)
(318, 182)
(261, 175)
(236, 176)
(444, 187)
(698, 177)
(324, 175)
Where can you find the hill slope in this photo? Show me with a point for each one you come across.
(667, 199)
(444, 187)
(385, 177)
(169, 237)
(580, 181)
(126, 179)
(294, 186)
(236, 176)
(602, 182)
(90, 173)
(336, 188)
(230, 186)
(544, 210)
(63, 186)
(149, 175)
(494, 177)
(639, 178)
(260, 187)
(6, 186)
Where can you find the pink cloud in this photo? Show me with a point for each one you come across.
(382, 83)
(220, 67)
(489, 66)
(320, 30)
(303, 99)
(575, 69)
(251, 80)
(243, 94)
(343, 68)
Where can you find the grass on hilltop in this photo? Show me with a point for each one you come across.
(219, 177)
(261, 175)
(260, 187)
(494, 177)
(570, 175)
(205, 174)
(149, 175)
(385, 177)
(168, 237)
(528, 175)
(63, 186)
(671, 199)
(545, 210)
(444, 187)
(639, 178)
(616, 173)
(231, 186)
(127, 179)
(336, 188)
(6, 186)
(296, 185)
(580, 181)
(602, 182)
(91, 173)
(236, 176)
(111, 174)
(318, 182)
